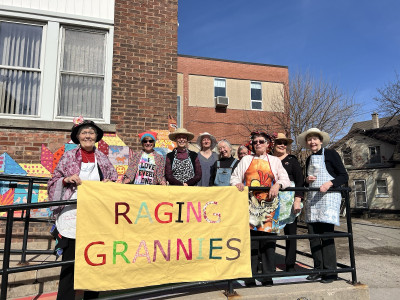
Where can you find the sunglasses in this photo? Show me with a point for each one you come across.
(148, 141)
(281, 143)
(259, 142)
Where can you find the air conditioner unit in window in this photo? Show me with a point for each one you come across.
(221, 101)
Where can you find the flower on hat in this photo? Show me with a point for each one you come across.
(78, 120)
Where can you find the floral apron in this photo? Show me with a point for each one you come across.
(286, 200)
(321, 207)
(264, 212)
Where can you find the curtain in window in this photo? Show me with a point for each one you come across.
(20, 50)
(82, 74)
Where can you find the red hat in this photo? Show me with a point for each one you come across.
(151, 134)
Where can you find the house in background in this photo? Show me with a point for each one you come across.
(371, 155)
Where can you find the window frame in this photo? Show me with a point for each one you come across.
(256, 100)
(370, 156)
(40, 70)
(365, 204)
(221, 79)
(50, 67)
(377, 193)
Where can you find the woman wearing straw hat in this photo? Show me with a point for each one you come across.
(324, 169)
(182, 166)
(146, 166)
(82, 163)
(207, 157)
(290, 202)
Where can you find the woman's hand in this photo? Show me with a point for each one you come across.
(73, 179)
(163, 183)
(274, 190)
(296, 208)
(240, 186)
(185, 184)
(107, 180)
(325, 186)
(310, 179)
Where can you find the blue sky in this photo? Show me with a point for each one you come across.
(353, 43)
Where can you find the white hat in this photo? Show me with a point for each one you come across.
(212, 138)
(301, 139)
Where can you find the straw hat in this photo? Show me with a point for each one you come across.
(206, 134)
(282, 136)
(173, 135)
(302, 137)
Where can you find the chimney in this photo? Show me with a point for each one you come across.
(375, 120)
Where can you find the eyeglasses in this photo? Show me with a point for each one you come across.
(259, 142)
(148, 141)
(281, 142)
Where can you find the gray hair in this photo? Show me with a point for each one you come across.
(227, 143)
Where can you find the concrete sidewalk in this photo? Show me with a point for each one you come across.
(286, 288)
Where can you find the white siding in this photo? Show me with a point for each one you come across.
(80, 9)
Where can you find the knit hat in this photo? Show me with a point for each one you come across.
(151, 134)
(78, 123)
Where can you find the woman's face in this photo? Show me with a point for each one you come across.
(87, 138)
(280, 147)
(224, 150)
(205, 142)
(314, 143)
(242, 153)
(181, 140)
(260, 145)
(148, 144)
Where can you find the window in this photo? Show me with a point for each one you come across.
(20, 68)
(360, 194)
(82, 74)
(381, 188)
(347, 156)
(375, 155)
(54, 71)
(219, 87)
(256, 95)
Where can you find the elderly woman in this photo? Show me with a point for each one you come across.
(82, 163)
(262, 170)
(146, 166)
(242, 151)
(222, 169)
(290, 202)
(324, 169)
(206, 142)
(182, 166)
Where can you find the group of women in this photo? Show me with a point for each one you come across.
(270, 209)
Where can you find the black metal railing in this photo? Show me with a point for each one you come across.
(10, 209)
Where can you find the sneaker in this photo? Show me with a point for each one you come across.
(313, 277)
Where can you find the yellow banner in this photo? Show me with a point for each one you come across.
(132, 236)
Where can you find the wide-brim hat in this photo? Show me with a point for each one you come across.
(206, 134)
(302, 137)
(282, 137)
(78, 123)
(173, 135)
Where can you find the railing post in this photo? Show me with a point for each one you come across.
(351, 242)
(7, 253)
(26, 225)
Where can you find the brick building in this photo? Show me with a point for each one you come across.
(230, 98)
(114, 61)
